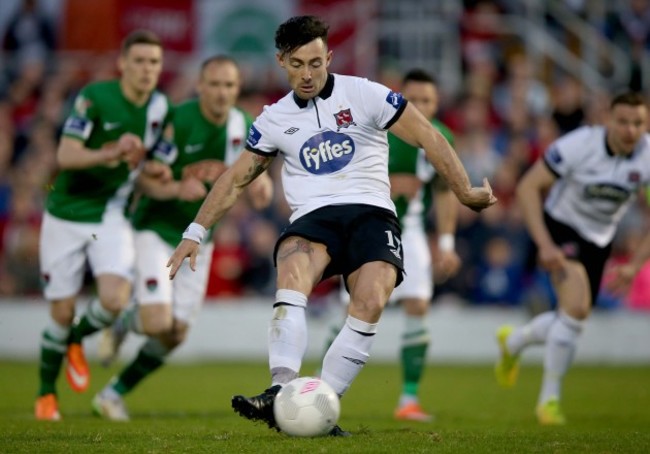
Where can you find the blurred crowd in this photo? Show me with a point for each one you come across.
(503, 118)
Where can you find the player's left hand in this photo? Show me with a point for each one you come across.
(447, 265)
(620, 278)
(479, 198)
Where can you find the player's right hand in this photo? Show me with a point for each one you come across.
(186, 248)
(551, 258)
(132, 149)
(480, 198)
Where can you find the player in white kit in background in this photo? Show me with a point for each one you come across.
(331, 131)
(592, 176)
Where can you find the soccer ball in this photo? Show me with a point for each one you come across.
(306, 407)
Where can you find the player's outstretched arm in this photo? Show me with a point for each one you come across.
(220, 199)
(415, 129)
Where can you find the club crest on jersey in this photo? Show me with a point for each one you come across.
(634, 176)
(152, 284)
(81, 104)
(327, 152)
(343, 119)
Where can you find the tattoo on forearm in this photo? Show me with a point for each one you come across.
(300, 245)
(260, 164)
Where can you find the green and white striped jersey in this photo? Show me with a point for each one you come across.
(404, 158)
(101, 114)
(195, 139)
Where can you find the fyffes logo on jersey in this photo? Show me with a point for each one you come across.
(327, 152)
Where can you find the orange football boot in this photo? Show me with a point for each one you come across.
(77, 371)
(47, 408)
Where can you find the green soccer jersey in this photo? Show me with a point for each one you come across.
(195, 139)
(405, 158)
(101, 114)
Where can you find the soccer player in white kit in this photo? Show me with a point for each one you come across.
(593, 174)
(331, 131)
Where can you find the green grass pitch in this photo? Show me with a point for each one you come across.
(186, 408)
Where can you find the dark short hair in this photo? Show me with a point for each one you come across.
(629, 98)
(219, 59)
(140, 37)
(298, 31)
(419, 75)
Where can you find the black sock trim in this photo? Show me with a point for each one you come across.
(362, 333)
(281, 303)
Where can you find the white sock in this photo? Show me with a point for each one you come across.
(560, 348)
(55, 337)
(287, 336)
(131, 320)
(416, 331)
(534, 332)
(348, 354)
(98, 316)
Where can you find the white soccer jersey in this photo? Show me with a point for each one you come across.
(334, 145)
(594, 186)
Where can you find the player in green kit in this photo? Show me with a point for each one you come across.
(209, 134)
(105, 138)
(413, 186)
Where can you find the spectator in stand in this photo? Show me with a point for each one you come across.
(628, 26)
(229, 261)
(568, 105)
(498, 279)
(520, 87)
(30, 37)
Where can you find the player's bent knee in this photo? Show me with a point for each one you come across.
(174, 336)
(579, 311)
(156, 325)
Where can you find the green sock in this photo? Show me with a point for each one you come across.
(150, 358)
(54, 342)
(94, 319)
(415, 342)
(413, 359)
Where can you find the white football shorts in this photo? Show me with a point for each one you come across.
(186, 292)
(66, 247)
(418, 279)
